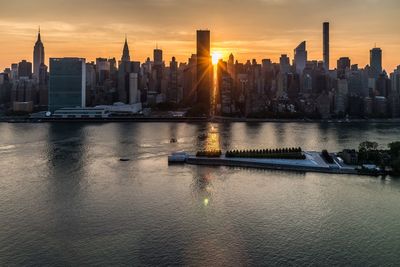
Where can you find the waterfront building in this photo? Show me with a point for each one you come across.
(23, 95)
(380, 107)
(300, 57)
(204, 70)
(368, 106)
(38, 57)
(326, 45)
(67, 83)
(134, 96)
(341, 97)
(394, 96)
(323, 105)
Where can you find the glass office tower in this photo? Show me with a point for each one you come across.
(67, 84)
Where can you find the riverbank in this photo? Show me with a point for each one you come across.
(188, 120)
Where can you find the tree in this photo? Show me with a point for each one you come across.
(368, 146)
(396, 165)
(395, 149)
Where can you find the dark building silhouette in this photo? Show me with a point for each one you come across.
(204, 68)
(158, 69)
(343, 64)
(157, 56)
(172, 93)
(376, 61)
(326, 45)
(300, 57)
(67, 84)
(125, 52)
(25, 69)
(124, 69)
(38, 57)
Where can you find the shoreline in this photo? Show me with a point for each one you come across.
(190, 120)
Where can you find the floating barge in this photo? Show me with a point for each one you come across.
(312, 162)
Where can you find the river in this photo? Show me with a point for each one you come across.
(67, 199)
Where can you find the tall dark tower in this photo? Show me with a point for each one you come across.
(125, 53)
(158, 56)
(204, 69)
(38, 57)
(326, 45)
(375, 61)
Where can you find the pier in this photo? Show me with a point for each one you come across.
(312, 162)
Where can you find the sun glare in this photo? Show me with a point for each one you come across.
(216, 56)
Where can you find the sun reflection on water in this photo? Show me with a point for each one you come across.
(213, 138)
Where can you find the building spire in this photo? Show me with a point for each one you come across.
(39, 39)
(125, 52)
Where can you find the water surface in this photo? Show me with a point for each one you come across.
(66, 199)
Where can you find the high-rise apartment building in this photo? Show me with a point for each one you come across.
(376, 61)
(284, 64)
(158, 56)
(24, 69)
(204, 68)
(326, 45)
(300, 57)
(343, 64)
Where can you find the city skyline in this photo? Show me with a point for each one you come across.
(104, 37)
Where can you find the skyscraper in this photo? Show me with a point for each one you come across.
(172, 93)
(125, 53)
(300, 57)
(25, 69)
(158, 56)
(124, 68)
(67, 85)
(343, 64)
(376, 61)
(38, 57)
(284, 64)
(326, 45)
(204, 69)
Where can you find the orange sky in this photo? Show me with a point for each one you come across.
(247, 28)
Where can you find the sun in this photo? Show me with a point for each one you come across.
(216, 56)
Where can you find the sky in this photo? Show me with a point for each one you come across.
(247, 28)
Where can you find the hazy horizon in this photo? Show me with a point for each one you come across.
(249, 29)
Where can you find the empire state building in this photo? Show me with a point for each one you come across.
(38, 57)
